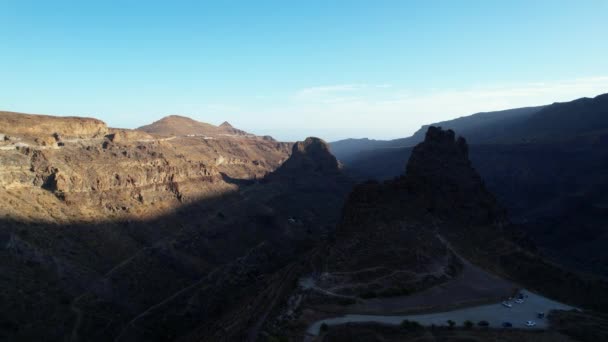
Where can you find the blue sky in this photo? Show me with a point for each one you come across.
(333, 69)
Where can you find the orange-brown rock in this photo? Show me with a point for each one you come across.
(44, 125)
(95, 172)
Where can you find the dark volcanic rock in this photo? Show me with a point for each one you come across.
(441, 176)
(310, 155)
(439, 183)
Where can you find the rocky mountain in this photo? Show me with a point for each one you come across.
(479, 127)
(127, 235)
(434, 237)
(535, 166)
(101, 171)
(176, 125)
(311, 156)
(550, 123)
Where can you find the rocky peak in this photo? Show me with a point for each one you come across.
(226, 124)
(313, 155)
(445, 183)
(439, 154)
(439, 183)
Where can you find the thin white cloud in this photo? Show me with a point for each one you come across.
(320, 92)
(359, 110)
(382, 112)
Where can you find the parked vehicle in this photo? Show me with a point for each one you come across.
(540, 315)
(519, 301)
(507, 325)
(507, 304)
(530, 323)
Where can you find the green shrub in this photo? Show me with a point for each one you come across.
(410, 325)
(451, 323)
(468, 324)
(324, 327)
(483, 324)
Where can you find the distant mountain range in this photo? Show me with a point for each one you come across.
(548, 165)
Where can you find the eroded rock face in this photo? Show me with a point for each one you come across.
(393, 228)
(310, 155)
(85, 171)
(182, 235)
(45, 126)
(440, 175)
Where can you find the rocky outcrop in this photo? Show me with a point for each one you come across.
(128, 135)
(46, 126)
(393, 227)
(440, 175)
(310, 156)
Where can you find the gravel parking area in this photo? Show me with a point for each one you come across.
(495, 314)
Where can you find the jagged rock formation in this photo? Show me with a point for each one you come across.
(440, 175)
(393, 227)
(546, 165)
(310, 156)
(436, 224)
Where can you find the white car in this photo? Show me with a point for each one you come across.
(530, 323)
(519, 301)
(507, 304)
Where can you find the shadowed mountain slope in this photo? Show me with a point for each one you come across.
(480, 127)
(441, 201)
(547, 167)
(131, 236)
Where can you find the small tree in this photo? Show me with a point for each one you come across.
(468, 324)
(451, 323)
(410, 325)
(483, 323)
(324, 327)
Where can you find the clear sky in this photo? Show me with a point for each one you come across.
(333, 69)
